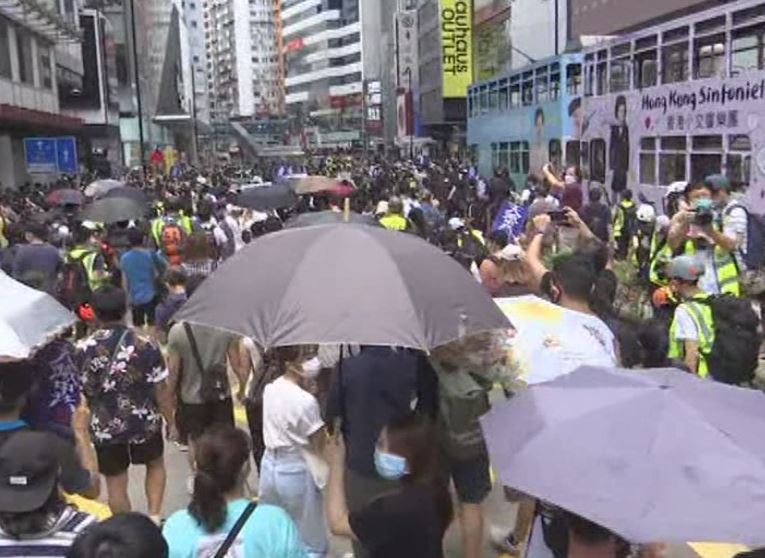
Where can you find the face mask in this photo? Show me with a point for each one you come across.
(389, 465)
(569, 179)
(311, 368)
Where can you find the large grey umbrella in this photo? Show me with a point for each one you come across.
(329, 217)
(114, 210)
(101, 186)
(343, 284)
(266, 198)
(656, 455)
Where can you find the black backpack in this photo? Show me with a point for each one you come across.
(73, 288)
(735, 350)
(755, 238)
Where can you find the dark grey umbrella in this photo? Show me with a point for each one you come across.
(328, 218)
(113, 210)
(655, 455)
(127, 192)
(344, 284)
(266, 198)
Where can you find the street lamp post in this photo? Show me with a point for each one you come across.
(410, 114)
(139, 104)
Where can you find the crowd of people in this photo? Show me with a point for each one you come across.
(368, 454)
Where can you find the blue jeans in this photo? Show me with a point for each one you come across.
(285, 481)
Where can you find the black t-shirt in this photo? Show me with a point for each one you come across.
(597, 217)
(73, 477)
(401, 525)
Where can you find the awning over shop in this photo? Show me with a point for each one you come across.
(11, 115)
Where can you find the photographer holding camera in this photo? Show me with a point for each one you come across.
(697, 230)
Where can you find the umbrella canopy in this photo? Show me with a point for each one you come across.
(322, 185)
(344, 284)
(329, 217)
(100, 187)
(29, 319)
(113, 210)
(64, 196)
(127, 192)
(655, 455)
(266, 198)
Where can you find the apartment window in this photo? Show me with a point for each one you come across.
(5, 54)
(24, 47)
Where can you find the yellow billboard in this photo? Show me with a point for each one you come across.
(456, 20)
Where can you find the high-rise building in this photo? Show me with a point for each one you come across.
(194, 14)
(242, 59)
(324, 77)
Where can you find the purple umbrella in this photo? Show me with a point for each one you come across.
(655, 455)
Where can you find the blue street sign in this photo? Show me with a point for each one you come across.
(40, 155)
(66, 155)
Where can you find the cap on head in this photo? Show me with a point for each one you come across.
(717, 182)
(687, 268)
(28, 471)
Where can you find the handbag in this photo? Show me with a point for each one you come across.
(215, 380)
(235, 530)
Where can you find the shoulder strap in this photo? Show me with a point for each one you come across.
(194, 348)
(235, 530)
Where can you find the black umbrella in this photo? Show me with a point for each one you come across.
(266, 198)
(328, 218)
(114, 210)
(341, 284)
(127, 192)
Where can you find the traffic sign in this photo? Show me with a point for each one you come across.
(51, 155)
(66, 155)
(40, 155)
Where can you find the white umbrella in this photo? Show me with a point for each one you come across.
(28, 319)
(100, 187)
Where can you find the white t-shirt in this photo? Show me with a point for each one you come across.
(685, 329)
(735, 226)
(290, 415)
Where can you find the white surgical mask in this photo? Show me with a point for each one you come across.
(311, 368)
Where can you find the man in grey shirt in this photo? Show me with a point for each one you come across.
(37, 263)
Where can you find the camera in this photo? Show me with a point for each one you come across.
(704, 213)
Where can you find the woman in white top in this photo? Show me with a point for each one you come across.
(292, 472)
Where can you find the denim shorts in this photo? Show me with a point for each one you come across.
(471, 478)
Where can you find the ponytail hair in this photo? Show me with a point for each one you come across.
(221, 454)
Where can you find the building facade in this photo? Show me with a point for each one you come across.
(39, 53)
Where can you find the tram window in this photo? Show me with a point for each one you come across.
(493, 98)
(584, 152)
(527, 89)
(738, 160)
(674, 62)
(554, 153)
(601, 74)
(572, 153)
(747, 49)
(620, 75)
(704, 164)
(748, 14)
(541, 84)
(573, 79)
(648, 168)
(598, 160)
(515, 157)
(484, 100)
(503, 155)
(671, 167)
(473, 153)
(709, 56)
(494, 155)
(673, 143)
(504, 96)
(648, 144)
(706, 143)
(525, 157)
(555, 83)
(515, 95)
(645, 66)
(589, 80)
